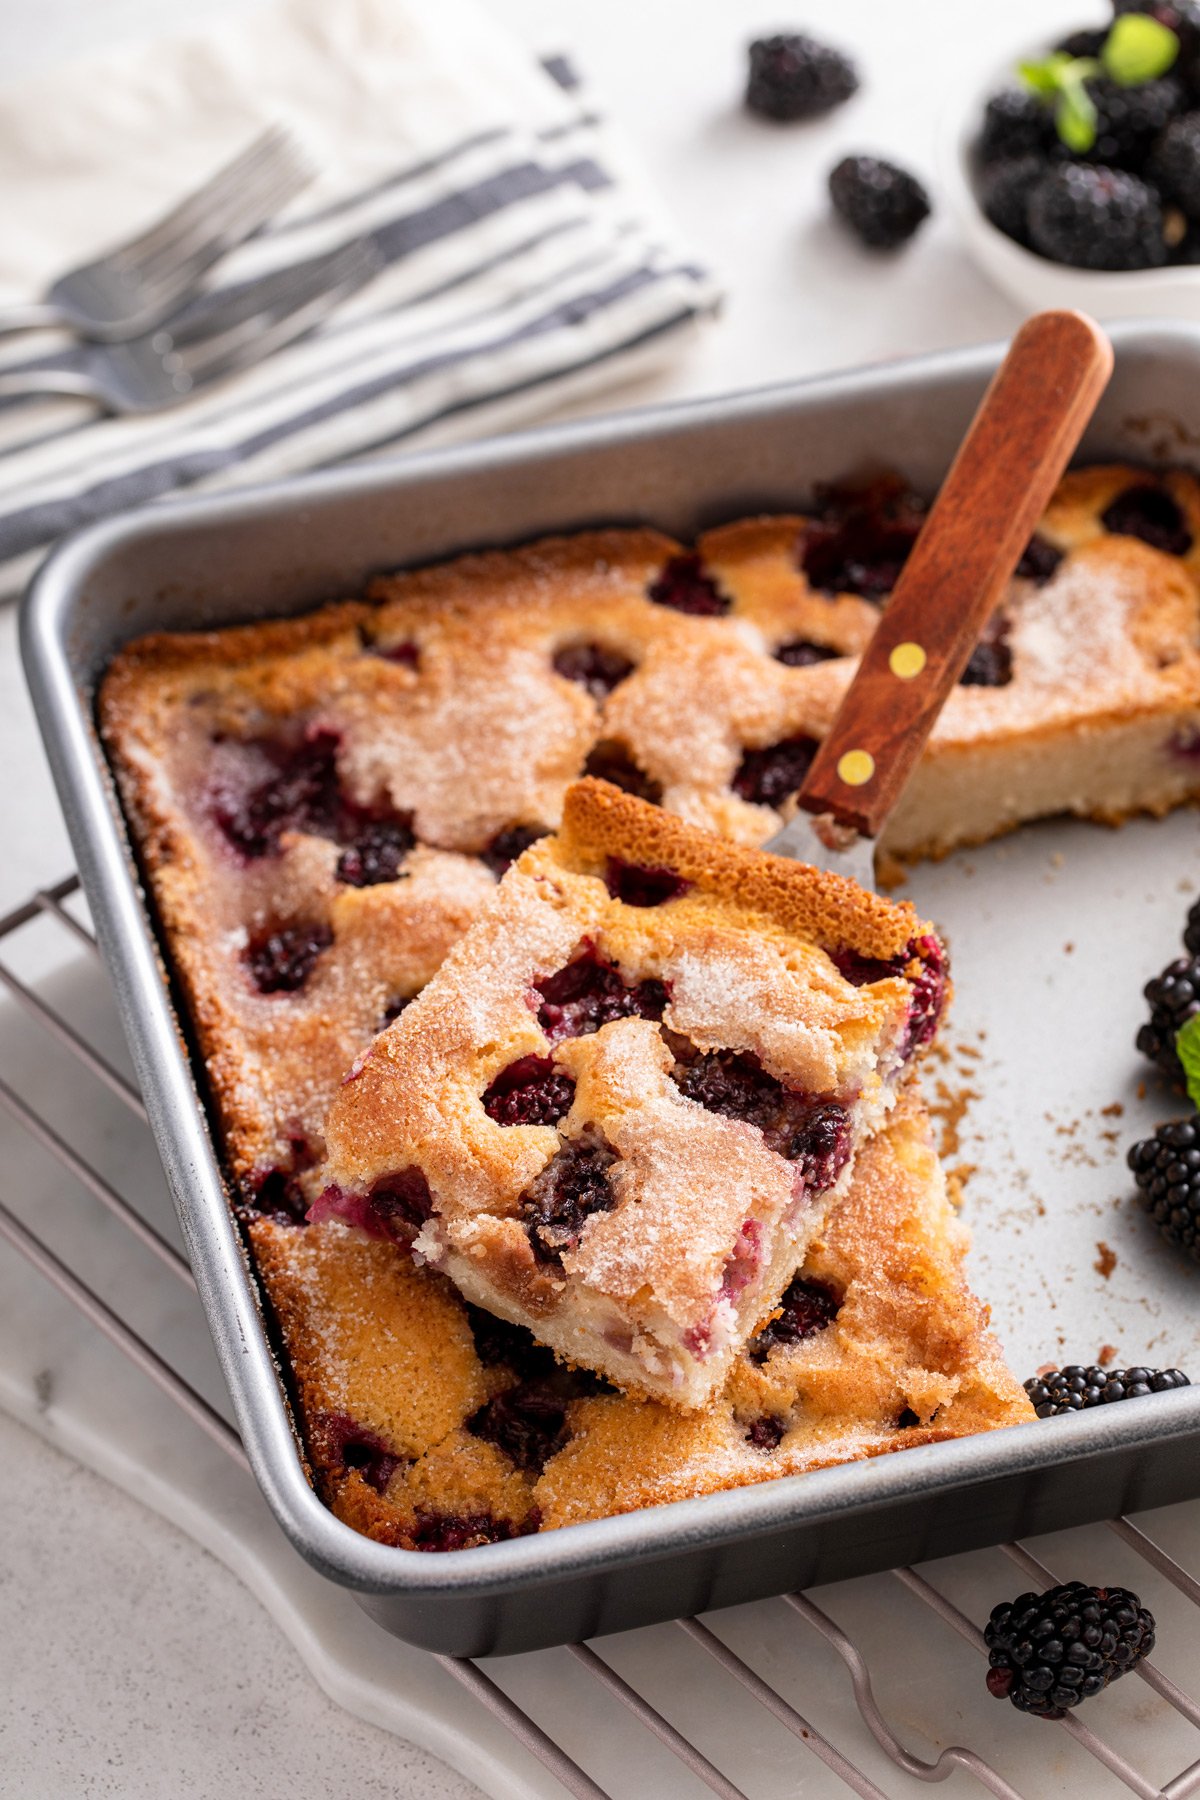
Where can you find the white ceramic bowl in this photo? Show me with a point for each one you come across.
(1033, 281)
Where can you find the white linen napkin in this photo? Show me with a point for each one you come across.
(522, 256)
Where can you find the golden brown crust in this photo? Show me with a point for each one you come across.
(830, 909)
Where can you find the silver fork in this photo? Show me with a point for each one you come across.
(153, 372)
(126, 293)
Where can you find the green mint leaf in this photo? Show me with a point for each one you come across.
(1138, 49)
(1187, 1048)
(1042, 78)
(1075, 117)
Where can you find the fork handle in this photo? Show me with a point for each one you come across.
(33, 382)
(998, 487)
(33, 316)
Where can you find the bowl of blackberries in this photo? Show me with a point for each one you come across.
(1077, 171)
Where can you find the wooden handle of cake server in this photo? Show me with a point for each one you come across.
(999, 485)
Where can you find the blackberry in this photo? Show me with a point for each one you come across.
(300, 793)
(1174, 998)
(530, 1091)
(1149, 512)
(685, 585)
(1039, 561)
(589, 992)
(990, 663)
(803, 653)
(767, 777)
(1191, 935)
(527, 1422)
(508, 844)
(594, 666)
(610, 760)
(641, 884)
(792, 76)
(1166, 1168)
(806, 1308)
(1047, 1652)
(558, 1203)
(1128, 119)
(464, 1531)
(1015, 123)
(340, 1441)
(406, 655)
(1082, 43)
(1005, 189)
(1097, 218)
(1174, 163)
(882, 204)
(859, 536)
(1074, 1388)
(281, 961)
(376, 853)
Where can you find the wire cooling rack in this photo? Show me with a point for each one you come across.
(62, 909)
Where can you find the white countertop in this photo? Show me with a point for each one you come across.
(136, 1665)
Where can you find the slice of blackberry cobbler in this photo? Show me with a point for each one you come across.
(619, 1112)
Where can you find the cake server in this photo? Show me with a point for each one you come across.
(1014, 454)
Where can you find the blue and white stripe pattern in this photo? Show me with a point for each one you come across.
(519, 263)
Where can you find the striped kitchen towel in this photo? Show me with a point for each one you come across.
(522, 258)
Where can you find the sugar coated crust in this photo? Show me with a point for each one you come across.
(429, 1425)
(816, 904)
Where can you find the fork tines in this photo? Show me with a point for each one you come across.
(239, 197)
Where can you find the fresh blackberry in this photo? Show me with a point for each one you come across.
(794, 77)
(882, 204)
(1174, 998)
(1174, 163)
(1074, 1388)
(1015, 123)
(1096, 218)
(1082, 43)
(1166, 1168)
(1047, 1652)
(1128, 119)
(1191, 935)
(1005, 189)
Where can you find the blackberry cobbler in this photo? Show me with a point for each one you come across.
(323, 805)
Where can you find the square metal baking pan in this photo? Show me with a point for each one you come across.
(227, 558)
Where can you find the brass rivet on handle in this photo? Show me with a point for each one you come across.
(906, 661)
(856, 767)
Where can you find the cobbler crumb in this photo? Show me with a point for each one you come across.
(1106, 1261)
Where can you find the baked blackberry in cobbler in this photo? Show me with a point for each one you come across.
(637, 1083)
